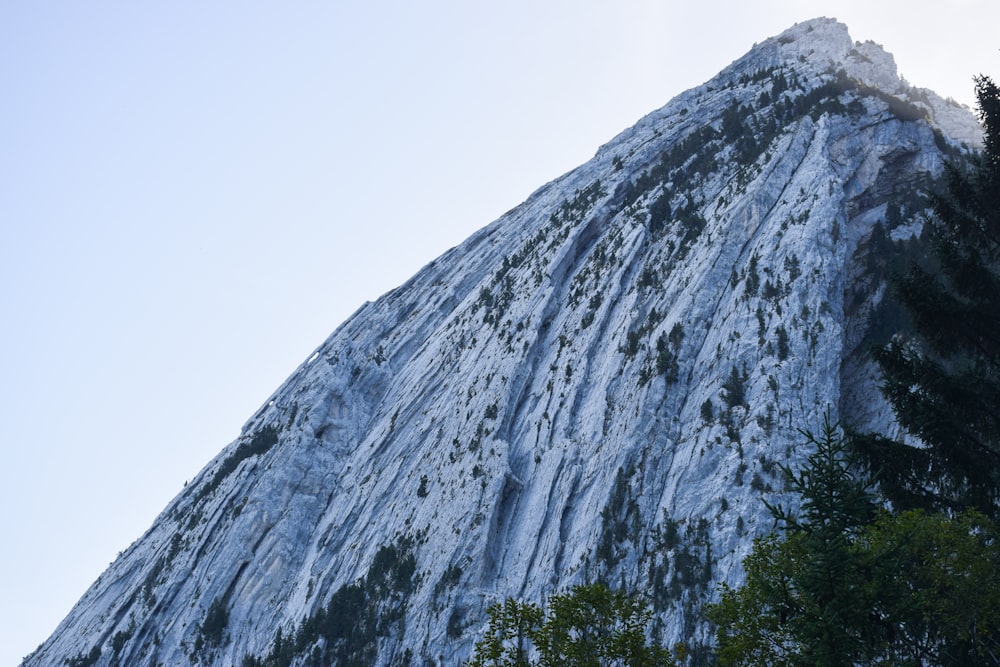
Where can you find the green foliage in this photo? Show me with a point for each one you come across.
(752, 277)
(693, 155)
(676, 336)
(590, 626)
(678, 557)
(793, 267)
(120, 638)
(693, 558)
(781, 342)
(707, 411)
(162, 564)
(659, 214)
(666, 360)
(496, 306)
(449, 579)
(85, 659)
(573, 210)
(944, 384)
(648, 278)
(259, 443)
(691, 225)
(833, 500)
(640, 328)
(347, 630)
(926, 589)
(619, 520)
(213, 627)
(733, 391)
(771, 291)
(632, 339)
(801, 603)
(844, 585)
(753, 621)
(509, 639)
(934, 588)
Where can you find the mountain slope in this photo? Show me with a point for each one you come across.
(598, 384)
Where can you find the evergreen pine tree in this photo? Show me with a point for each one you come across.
(844, 585)
(804, 601)
(944, 382)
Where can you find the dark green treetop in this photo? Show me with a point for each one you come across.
(589, 626)
(944, 382)
(842, 584)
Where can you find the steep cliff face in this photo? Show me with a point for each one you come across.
(598, 384)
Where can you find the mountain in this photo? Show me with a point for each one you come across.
(598, 385)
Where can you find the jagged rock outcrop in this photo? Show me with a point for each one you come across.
(597, 385)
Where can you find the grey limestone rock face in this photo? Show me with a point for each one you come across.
(597, 385)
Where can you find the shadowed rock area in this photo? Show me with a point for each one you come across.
(596, 386)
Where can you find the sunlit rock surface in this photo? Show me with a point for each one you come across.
(597, 385)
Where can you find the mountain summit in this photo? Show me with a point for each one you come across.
(598, 385)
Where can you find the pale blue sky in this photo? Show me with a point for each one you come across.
(193, 195)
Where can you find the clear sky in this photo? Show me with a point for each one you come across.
(193, 195)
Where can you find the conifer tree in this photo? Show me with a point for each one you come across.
(944, 382)
(804, 602)
(843, 584)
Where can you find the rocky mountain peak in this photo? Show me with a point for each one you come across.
(826, 44)
(598, 385)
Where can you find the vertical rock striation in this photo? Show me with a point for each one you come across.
(597, 385)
